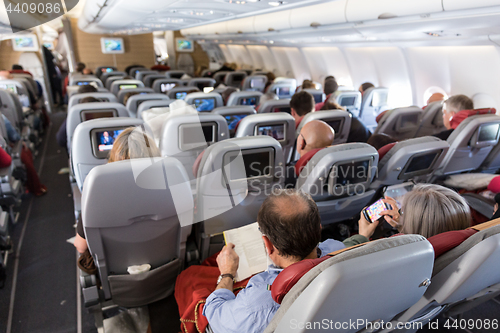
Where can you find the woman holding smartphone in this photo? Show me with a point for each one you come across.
(427, 210)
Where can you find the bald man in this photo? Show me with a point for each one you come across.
(436, 97)
(315, 134)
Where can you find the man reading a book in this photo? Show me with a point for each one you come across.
(291, 230)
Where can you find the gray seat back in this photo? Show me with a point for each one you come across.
(279, 125)
(462, 277)
(163, 85)
(104, 77)
(137, 212)
(339, 120)
(186, 136)
(141, 74)
(201, 83)
(146, 105)
(174, 74)
(373, 103)
(134, 69)
(470, 143)
(11, 107)
(18, 90)
(204, 102)
(234, 178)
(101, 70)
(326, 292)
(84, 80)
(400, 123)
(233, 115)
(416, 158)
(282, 105)
(110, 79)
(284, 88)
(244, 98)
(101, 96)
(432, 120)
(80, 112)
(339, 178)
(122, 93)
(235, 79)
(86, 153)
(120, 85)
(254, 83)
(319, 96)
(219, 77)
(135, 101)
(181, 92)
(149, 79)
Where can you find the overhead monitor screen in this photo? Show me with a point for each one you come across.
(275, 131)
(96, 114)
(282, 91)
(420, 163)
(204, 104)
(348, 101)
(258, 83)
(286, 109)
(247, 101)
(103, 140)
(180, 95)
(112, 45)
(257, 163)
(165, 87)
(352, 172)
(25, 43)
(335, 124)
(127, 86)
(488, 133)
(184, 45)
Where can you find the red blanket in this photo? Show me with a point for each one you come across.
(192, 288)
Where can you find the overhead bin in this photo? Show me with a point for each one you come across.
(468, 4)
(321, 14)
(243, 25)
(272, 21)
(364, 10)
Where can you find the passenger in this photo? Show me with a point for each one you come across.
(87, 71)
(380, 140)
(364, 87)
(227, 92)
(270, 80)
(18, 69)
(266, 97)
(291, 230)
(129, 144)
(329, 88)
(33, 183)
(301, 104)
(308, 84)
(314, 136)
(358, 131)
(427, 210)
(5, 75)
(80, 67)
(452, 106)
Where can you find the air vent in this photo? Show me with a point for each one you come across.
(270, 29)
(386, 16)
(315, 24)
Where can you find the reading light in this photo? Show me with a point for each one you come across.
(276, 3)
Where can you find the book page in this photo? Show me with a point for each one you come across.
(250, 248)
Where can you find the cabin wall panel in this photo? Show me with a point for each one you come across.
(225, 51)
(240, 56)
(139, 49)
(270, 62)
(299, 67)
(284, 67)
(8, 56)
(325, 61)
(256, 55)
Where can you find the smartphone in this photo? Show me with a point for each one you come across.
(372, 213)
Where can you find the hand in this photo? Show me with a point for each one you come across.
(392, 215)
(228, 260)
(366, 228)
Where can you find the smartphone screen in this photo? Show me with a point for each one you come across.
(373, 212)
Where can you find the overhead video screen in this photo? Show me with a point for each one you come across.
(112, 45)
(25, 43)
(184, 45)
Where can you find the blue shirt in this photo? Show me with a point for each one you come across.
(12, 134)
(253, 308)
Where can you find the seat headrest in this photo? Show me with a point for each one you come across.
(380, 116)
(460, 116)
(494, 185)
(301, 163)
(385, 149)
(446, 241)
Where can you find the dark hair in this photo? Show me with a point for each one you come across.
(227, 92)
(367, 85)
(295, 232)
(80, 67)
(89, 99)
(302, 102)
(331, 86)
(460, 102)
(128, 68)
(377, 141)
(17, 67)
(87, 89)
(329, 77)
(331, 105)
(308, 84)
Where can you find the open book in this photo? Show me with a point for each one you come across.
(250, 248)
